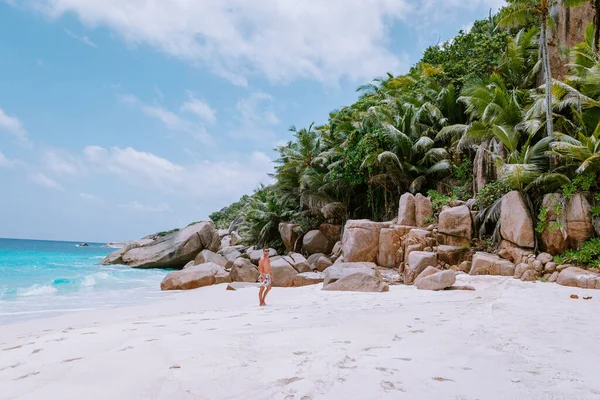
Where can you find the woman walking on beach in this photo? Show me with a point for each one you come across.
(264, 268)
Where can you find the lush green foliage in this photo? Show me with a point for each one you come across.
(226, 215)
(588, 255)
(419, 132)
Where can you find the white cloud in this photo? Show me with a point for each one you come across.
(5, 162)
(201, 108)
(168, 118)
(283, 40)
(83, 38)
(202, 180)
(13, 126)
(255, 117)
(92, 198)
(45, 182)
(134, 205)
(62, 163)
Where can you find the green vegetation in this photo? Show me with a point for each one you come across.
(223, 218)
(166, 233)
(588, 255)
(419, 132)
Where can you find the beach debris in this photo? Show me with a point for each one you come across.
(574, 296)
(175, 366)
(587, 298)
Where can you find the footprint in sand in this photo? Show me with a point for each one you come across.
(376, 348)
(300, 353)
(72, 359)
(386, 371)
(417, 331)
(27, 375)
(36, 351)
(10, 367)
(18, 346)
(126, 348)
(90, 333)
(396, 338)
(287, 381)
(151, 340)
(440, 379)
(389, 386)
(186, 334)
(344, 364)
(403, 358)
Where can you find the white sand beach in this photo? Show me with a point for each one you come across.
(506, 340)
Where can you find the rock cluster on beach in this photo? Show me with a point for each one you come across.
(368, 256)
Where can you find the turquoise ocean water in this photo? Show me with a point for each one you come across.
(47, 278)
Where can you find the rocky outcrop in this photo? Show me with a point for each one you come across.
(553, 237)
(510, 251)
(256, 255)
(283, 273)
(491, 264)
(354, 277)
(172, 251)
(406, 210)
(516, 224)
(231, 253)
(360, 242)
(321, 263)
(484, 170)
(579, 221)
(434, 279)
(570, 29)
(308, 278)
(244, 271)
(194, 276)
(417, 262)
(456, 222)
(423, 210)
(577, 277)
(316, 242)
(288, 235)
(207, 256)
(331, 232)
(299, 263)
(452, 255)
(390, 247)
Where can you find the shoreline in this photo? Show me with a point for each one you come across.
(315, 344)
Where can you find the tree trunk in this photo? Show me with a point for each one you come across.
(597, 25)
(547, 76)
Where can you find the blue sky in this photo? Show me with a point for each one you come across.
(119, 118)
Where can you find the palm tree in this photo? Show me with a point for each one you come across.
(517, 13)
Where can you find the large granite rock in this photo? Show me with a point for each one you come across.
(554, 239)
(244, 271)
(456, 221)
(417, 262)
(331, 232)
(231, 253)
(316, 242)
(288, 235)
(299, 263)
(423, 210)
(452, 255)
(511, 252)
(308, 278)
(491, 264)
(256, 255)
(390, 247)
(193, 277)
(406, 210)
(283, 273)
(516, 224)
(172, 251)
(579, 221)
(354, 277)
(206, 256)
(361, 241)
(577, 277)
(438, 280)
